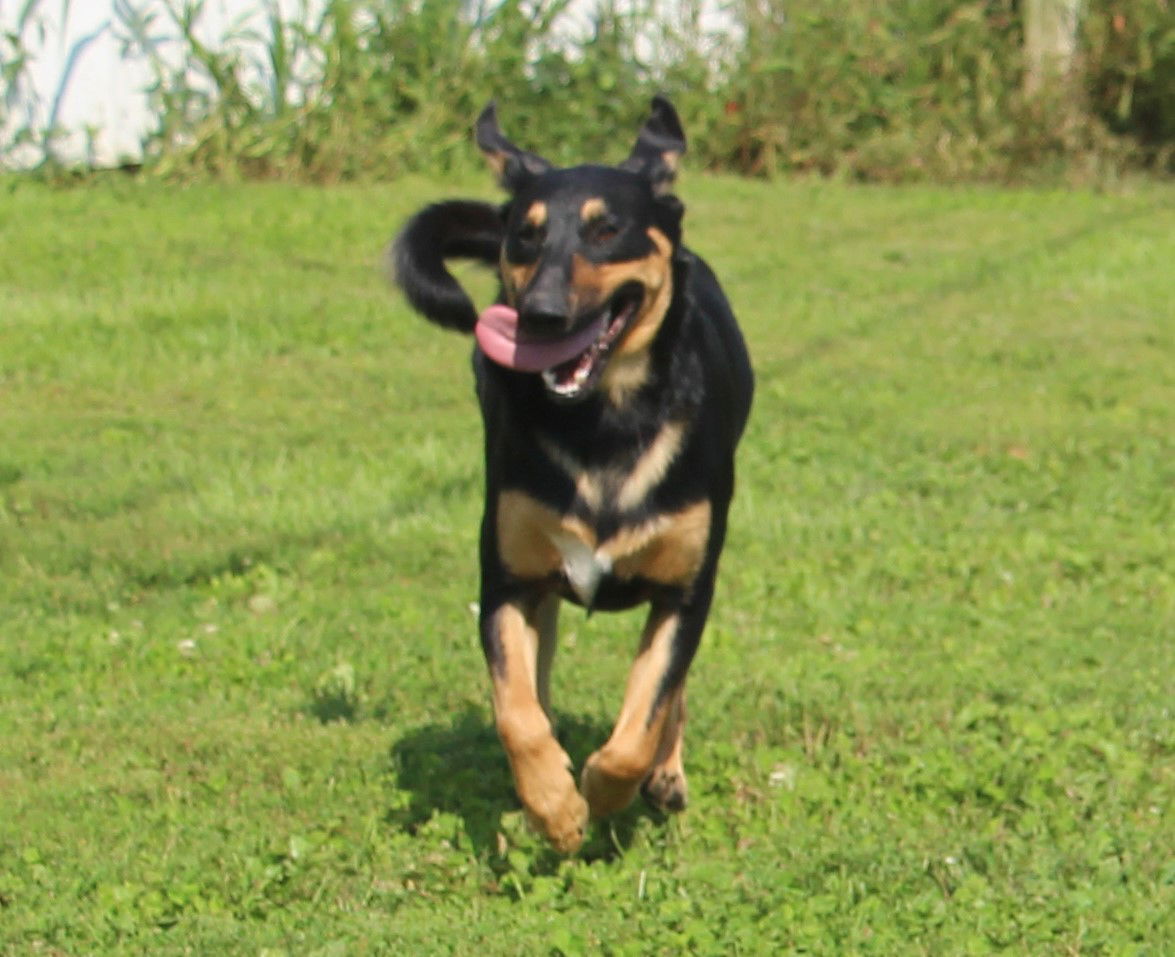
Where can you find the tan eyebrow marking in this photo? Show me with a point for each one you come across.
(537, 214)
(593, 208)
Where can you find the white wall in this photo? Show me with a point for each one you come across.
(102, 104)
(104, 92)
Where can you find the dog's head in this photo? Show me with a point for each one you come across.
(587, 255)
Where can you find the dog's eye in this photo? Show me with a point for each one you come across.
(529, 234)
(601, 231)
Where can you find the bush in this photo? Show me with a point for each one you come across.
(1130, 72)
(375, 89)
(868, 89)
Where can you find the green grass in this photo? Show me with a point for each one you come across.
(242, 706)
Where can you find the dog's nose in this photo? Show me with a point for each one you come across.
(542, 309)
(544, 323)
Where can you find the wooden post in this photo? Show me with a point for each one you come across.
(1050, 42)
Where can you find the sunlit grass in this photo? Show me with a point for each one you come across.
(242, 706)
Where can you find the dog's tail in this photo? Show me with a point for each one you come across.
(454, 229)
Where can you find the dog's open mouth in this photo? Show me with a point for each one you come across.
(575, 377)
(570, 366)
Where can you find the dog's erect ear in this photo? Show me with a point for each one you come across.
(513, 167)
(659, 147)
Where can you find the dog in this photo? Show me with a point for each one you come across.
(614, 385)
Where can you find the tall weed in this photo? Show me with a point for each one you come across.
(16, 97)
(383, 87)
(24, 132)
(864, 89)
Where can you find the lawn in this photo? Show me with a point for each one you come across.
(242, 704)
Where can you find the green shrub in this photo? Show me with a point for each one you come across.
(864, 89)
(1129, 50)
(394, 88)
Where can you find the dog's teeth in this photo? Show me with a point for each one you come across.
(560, 388)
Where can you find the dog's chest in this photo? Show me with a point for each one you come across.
(593, 541)
(584, 567)
(536, 541)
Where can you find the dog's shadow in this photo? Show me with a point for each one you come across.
(459, 768)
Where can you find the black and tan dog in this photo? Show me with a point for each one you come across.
(614, 385)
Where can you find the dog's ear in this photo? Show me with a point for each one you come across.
(659, 147)
(513, 167)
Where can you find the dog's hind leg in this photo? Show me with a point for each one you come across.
(665, 787)
(515, 634)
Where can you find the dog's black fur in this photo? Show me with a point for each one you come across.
(633, 459)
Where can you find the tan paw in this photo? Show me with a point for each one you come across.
(608, 786)
(558, 813)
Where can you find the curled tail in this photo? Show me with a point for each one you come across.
(454, 229)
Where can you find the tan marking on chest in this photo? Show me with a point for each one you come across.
(624, 375)
(651, 467)
(588, 484)
(625, 488)
(535, 541)
(668, 549)
(532, 536)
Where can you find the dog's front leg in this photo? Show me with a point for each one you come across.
(646, 743)
(518, 637)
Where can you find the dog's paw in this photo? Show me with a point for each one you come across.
(560, 817)
(665, 789)
(608, 786)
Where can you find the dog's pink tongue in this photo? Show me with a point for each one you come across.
(497, 334)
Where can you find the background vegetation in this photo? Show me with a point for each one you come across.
(867, 89)
(242, 705)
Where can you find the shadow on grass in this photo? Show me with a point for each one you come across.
(334, 698)
(332, 708)
(460, 768)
